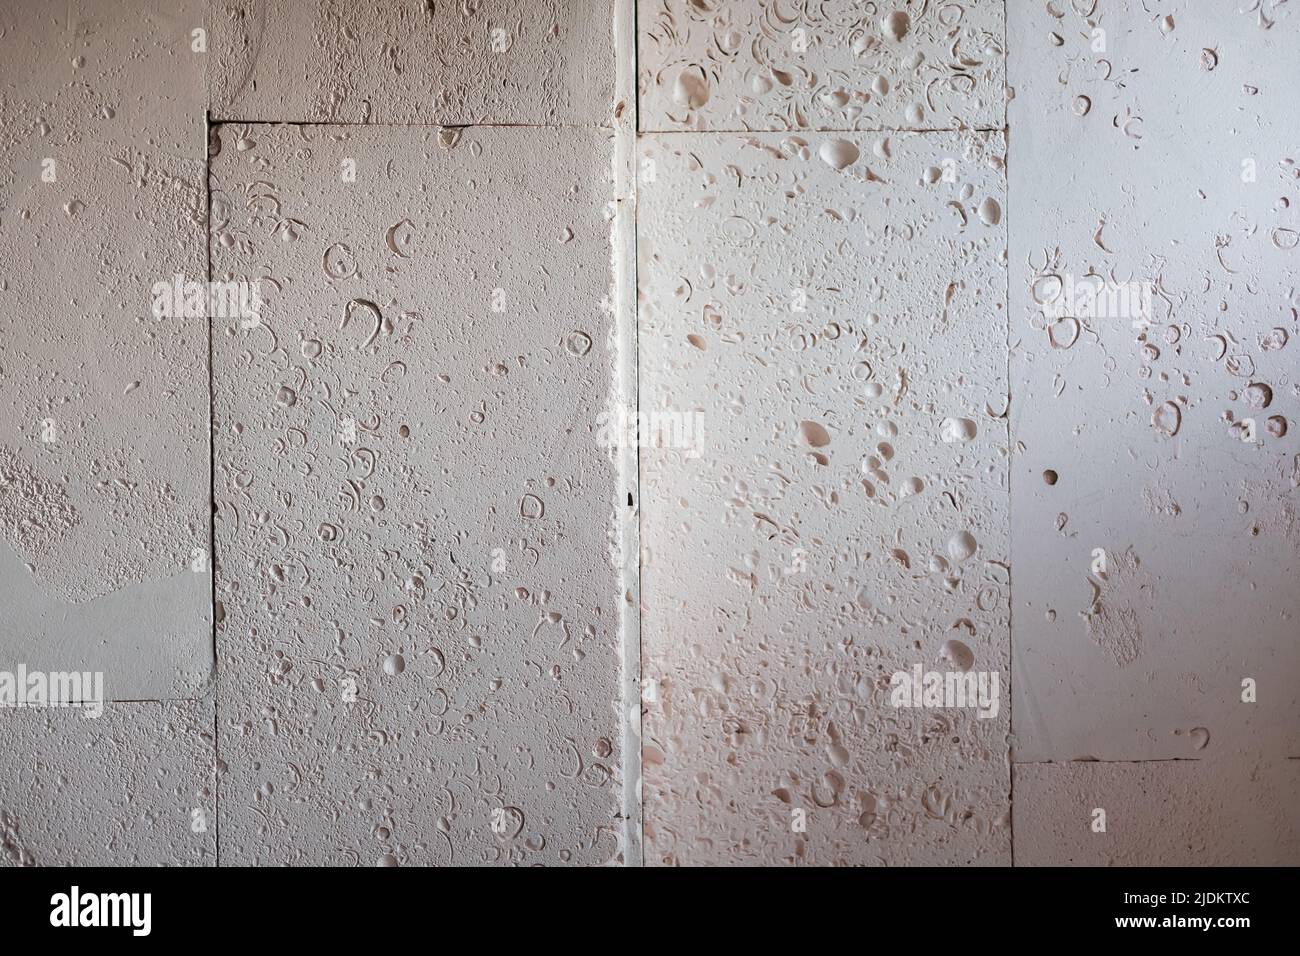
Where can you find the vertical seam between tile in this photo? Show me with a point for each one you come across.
(628, 386)
(1011, 564)
(212, 489)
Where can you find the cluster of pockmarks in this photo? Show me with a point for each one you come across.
(819, 769)
(34, 512)
(769, 65)
(133, 787)
(1254, 412)
(419, 617)
(832, 306)
(15, 853)
(480, 61)
(1264, 13)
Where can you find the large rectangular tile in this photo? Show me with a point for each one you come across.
(1155, 551)
(519, 62)
(133, 787)
(770, 65)
(418, 578)
(104, 465)
(830, 309)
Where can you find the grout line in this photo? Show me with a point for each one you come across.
(235, 121)
(1011, 467)
(1062, 763)
(635, 41)
(108, 701)
(634, 267)
(636, 396)
(628, 391)
(824, 129)
(147, 700)
(428, 126)
(212, 495)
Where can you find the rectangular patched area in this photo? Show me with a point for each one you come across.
(417, 583)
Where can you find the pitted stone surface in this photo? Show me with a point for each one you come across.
(104, 516)
(1157, 813)
(525, 62)
(418, 586)
(1156, 543)
(832, 308)
(716, 65)
(133, 787)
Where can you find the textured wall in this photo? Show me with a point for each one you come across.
(419, 551)
(831, 252)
